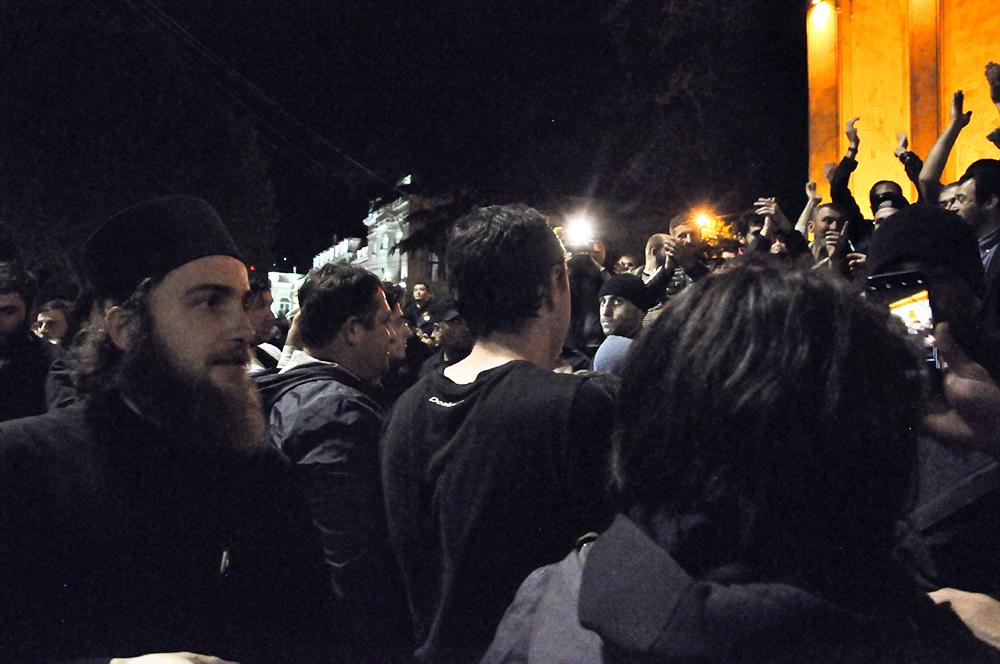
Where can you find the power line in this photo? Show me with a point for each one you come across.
(260, 96)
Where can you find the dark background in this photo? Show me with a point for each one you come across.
(292, 117)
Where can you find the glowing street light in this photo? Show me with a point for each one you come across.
(579, 229)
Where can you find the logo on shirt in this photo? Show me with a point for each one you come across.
(446, 404)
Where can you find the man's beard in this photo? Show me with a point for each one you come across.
(10, 343)
(192, 409)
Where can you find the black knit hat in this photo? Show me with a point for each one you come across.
(928, 234)
(151, 239)
(628, 287)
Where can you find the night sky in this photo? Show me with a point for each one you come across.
(647, 107)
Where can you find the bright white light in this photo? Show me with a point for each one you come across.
(820, 13)
(579, 229)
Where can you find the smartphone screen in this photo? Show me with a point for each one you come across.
(905, 296)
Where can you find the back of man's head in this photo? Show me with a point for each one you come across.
(654, 243)
(768, 411)
(330, 295)
(930, 236)
(17, 280)
(499, 261)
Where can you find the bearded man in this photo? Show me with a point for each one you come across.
(151, 517)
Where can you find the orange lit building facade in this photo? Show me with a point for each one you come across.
(895, 64)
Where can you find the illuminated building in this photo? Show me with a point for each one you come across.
(896, 63)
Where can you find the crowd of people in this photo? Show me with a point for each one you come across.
(780, 448)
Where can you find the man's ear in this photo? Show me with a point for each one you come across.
(353, 330)
(558, 281)
(992, 203)
(121, 326)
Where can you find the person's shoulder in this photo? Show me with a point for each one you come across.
(64, 433)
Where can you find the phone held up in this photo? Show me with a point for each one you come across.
(906, 296)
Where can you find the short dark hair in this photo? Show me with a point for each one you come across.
(746, 220)
(15, 279)
(499, 259)
(394, 293)
(986, 173)
(425, 284)
(330, 295)
(259, 284)
(719, 418)
(57, 305)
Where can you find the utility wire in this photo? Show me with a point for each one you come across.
(255, 92)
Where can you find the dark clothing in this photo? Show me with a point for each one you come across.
(795, 243)
(951, 535)
(118, 539)
(483, 483)
(24, 376)
(861, 229)
(420, 314)
(989, 247)
(328, 422)
(628, 600)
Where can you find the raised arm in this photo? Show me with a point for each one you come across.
(840, 193)
(812, 200)
(930, 175)
(911, 161)
(993, 77)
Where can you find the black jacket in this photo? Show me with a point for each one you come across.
(117, 539)
(24, 390)
(328, 423)
(627, 600)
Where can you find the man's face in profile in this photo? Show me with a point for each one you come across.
(13, 319)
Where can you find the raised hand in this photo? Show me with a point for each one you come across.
(994, 137)
(904, 143)
(828, 170)
(852, 133)
(958, 118)
(811, 194)
(769, 208)
(993, 76)
(969, 415)
(836, 242)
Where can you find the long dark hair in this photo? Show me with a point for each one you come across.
(767, 415)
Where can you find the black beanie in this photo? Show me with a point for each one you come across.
(628, 287)
(928, 234)
(149, 240)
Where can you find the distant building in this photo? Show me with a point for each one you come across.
(285, 291)
(386, 225)
(345, 251)
(896, 63)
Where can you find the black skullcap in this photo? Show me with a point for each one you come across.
(151, 239)
(628, 287)
(928, 234)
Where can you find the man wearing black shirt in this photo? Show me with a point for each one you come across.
(494, 464)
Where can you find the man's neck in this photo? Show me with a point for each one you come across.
(334, 356)
(499, 349)
(651, 266)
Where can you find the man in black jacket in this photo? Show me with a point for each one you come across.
(325, 414)
(151, 517)
(24, 357)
